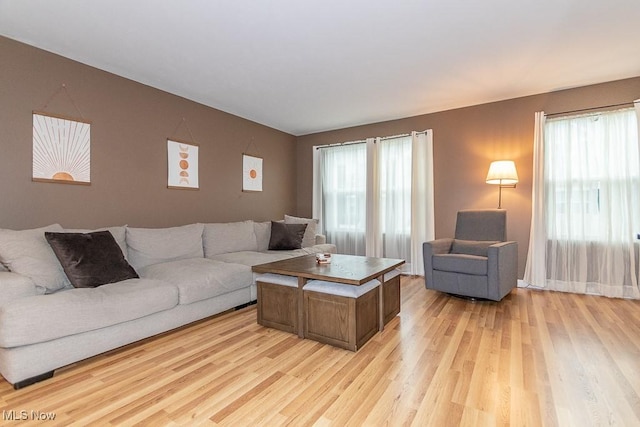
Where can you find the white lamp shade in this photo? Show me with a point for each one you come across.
(502, 172)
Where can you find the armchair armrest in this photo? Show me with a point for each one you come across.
(439, 246)
(502, 269)
(434, 247)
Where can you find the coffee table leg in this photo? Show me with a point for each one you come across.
(381, 299)
(301, 282)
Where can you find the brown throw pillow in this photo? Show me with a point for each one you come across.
(90, 259)
(286, 236)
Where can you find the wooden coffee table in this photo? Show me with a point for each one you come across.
(348, 269)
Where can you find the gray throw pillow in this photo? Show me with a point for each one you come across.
(26, 252)
(90, 259)
(286, 236)
(472, 247)
(309, 238)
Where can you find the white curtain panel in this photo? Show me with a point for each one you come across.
(535, 273)
(374, 227)
(316, 208)
(422, 199)
(591, 186)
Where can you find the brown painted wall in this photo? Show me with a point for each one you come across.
(130, 125)
(466, 140)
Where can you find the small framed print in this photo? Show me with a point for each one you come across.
(182, 162)
(251, 173)
(61, 149)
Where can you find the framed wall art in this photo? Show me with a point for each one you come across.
(251, 173)
(182, 161)
(61, 149)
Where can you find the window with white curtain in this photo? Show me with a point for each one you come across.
(394, 174)
(375, 198)
(592, 203)
(592, 172)
(343, 175)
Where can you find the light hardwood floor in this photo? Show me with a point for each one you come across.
(536, 358)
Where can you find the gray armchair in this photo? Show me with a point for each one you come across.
(478, 262)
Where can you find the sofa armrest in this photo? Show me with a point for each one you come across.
(502, 269)
(321, 239)
(14, 286)
(434, 247)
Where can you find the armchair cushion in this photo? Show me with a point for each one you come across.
(461, 263)
(472, 247)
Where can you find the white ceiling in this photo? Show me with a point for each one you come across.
(304, 66)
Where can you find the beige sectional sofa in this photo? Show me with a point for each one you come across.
(185, 274)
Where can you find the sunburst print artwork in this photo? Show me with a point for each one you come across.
(61, 150)
(182, 160)
(251, 173)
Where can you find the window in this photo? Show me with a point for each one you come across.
(592, 177)
(395, 196)
(344, 185)
(587, 182)
(375, 198)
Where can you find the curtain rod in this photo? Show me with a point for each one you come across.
(337, 144)
(362, 141)
(382, 138)
(624, 104)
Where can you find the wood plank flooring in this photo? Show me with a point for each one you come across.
(534, 359)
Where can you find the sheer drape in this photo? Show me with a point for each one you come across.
(591, 199)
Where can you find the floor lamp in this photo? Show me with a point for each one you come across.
(502, 173)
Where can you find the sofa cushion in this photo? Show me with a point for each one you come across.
(27, 252)
(148, 246)
(46, 317)
(472, 247)
(200, 278)
(461, 263)
(90, 259)
(263, 234)
(219, 238)
(119, 233)
(309, 238)
(286, 237)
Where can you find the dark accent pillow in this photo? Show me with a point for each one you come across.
(285, 237)
(472, 247)
(90, 259)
